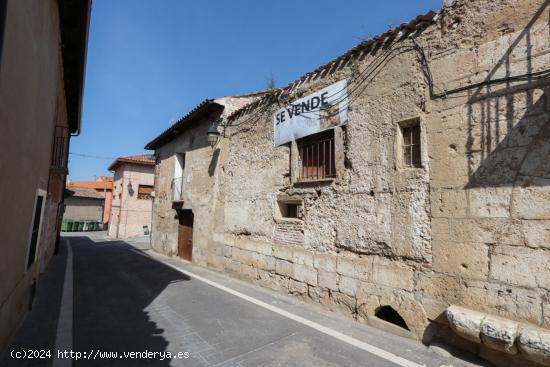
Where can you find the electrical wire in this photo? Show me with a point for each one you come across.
(355, 87)
(90, 156)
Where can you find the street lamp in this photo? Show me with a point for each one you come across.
(130, 188)
(213, 134)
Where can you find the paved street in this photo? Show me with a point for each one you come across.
(125, 298)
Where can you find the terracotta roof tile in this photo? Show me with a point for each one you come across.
(140, 159)
(85, 192)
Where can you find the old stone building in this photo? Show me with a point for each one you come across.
(405, 183)
(132, 204)
(187, 179)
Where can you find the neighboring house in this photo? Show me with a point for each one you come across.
(83, 203)
(132, 195)
(104, 185)
(186, 179)
(406, 181)
(42, 60)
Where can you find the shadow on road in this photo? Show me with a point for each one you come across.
(113, 288)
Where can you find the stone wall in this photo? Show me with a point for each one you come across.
(200, 193)
(470, 227)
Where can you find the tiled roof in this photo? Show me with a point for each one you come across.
(140, 159)
(85, 192)
(417, 24)
(98, 185)
(208, 105)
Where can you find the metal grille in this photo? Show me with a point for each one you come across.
(59, 154)
(177, 189)
(411, 146)
(317, 157)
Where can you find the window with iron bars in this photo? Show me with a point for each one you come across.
(411, 146)
(316, 156)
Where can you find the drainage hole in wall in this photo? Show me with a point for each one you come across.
(388, 314)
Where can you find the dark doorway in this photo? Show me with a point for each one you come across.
(185, 234)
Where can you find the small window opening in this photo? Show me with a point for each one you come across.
(144, 191)
(387, 313)
(316, 155)
(411, 146)
(290, 210)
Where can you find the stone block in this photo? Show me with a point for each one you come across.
(297, 287)
(531, 202)
(302, 257)
(491, 202)
(534, 344)
(245, 244)
(327, 279)
(227, 250)
(537, 233)
(467, 260)
(282, 252)
(233, 266)
(320, 295)
(449, 203)
(273, 281)
(244, 256)
(499, 334)
(345, 266)
(392, 274)
(285, 268)
(249, 272)
(515, 302)
(466, 323)
(325, 262)
(305, 274)
(348, 285)
(441, 229)
(521, 266)
(216, 262)
(483, 230)
(344, 302)
(452, 289)
(270, 263)
(363, 268)
(264, 248)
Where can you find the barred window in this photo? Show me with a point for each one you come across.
(411, 146)
(316, 153)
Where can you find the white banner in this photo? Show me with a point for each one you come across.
(322, 110)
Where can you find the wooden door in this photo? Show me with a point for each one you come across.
(185, 234)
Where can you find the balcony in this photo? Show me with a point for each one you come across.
(177, 191)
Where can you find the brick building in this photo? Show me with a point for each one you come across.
(132, 195)
(102, 185)
(404, 183)
(42, 61)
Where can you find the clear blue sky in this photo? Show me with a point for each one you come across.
(149, 62)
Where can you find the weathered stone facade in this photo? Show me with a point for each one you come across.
(469, 227)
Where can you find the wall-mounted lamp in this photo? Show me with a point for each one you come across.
(213, 134)
(130, 188)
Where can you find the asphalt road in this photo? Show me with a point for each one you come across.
(127, 299)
